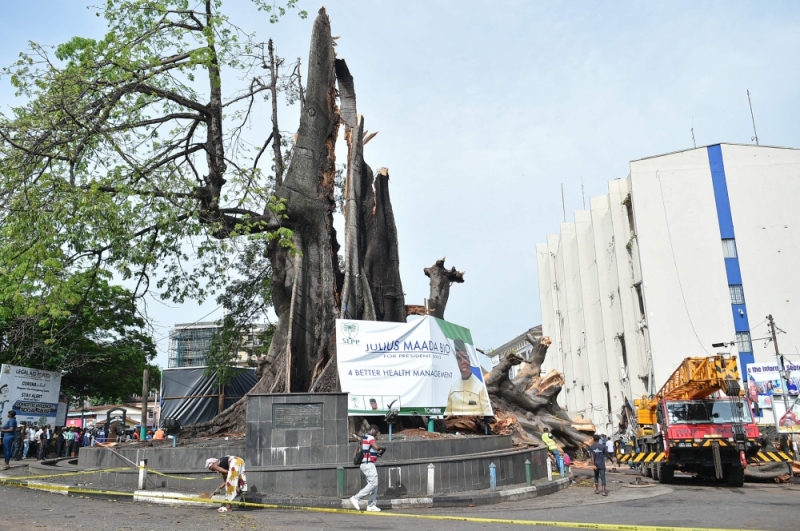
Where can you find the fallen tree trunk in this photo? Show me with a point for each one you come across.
(531, 399)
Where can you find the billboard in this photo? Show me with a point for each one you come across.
(32, 393)
(427, 367)
(764, 386)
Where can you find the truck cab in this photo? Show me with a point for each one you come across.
(709, 437)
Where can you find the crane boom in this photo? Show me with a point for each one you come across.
(695, 378)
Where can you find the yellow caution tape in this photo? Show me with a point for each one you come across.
(156, 472)
(65, 474)
(120, 469)
(539, 523)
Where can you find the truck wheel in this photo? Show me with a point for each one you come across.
(736, 476)
(666, 473)
(654, 471)
(647, 471)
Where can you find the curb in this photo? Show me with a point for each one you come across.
(488, 498)
(178, 498)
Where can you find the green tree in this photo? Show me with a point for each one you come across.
(127, 147)
(129, 155)
(99, 343)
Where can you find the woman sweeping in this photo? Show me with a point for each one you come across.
(235, 483)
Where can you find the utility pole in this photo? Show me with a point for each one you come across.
(145, 390)
(781, 374)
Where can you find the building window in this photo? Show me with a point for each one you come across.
(743, 343)
(729, 248)
(624, 348)
(629, 211)
(737, 294)
(640, 296)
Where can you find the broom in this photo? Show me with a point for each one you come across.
(208, 495)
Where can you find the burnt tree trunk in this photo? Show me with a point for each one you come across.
(441, 280)
(309, 290)
(372, 287)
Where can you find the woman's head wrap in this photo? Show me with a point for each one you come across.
(211, 462)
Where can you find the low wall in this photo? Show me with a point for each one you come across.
(158, 457)
(396, 479)
(193, 458)
(403, 450)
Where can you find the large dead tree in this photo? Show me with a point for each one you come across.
(309, 290)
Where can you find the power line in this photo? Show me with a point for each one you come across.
(752, 117)
(675, 265)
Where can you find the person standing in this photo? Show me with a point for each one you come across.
(31, 441)
(610, 446)
(40, 443)
(8, 430)
(16, 448)
(370, 451)
(59, 441)
(69, 435)
(26, 439)
(598, 453)
(232, 469)
(552, 447)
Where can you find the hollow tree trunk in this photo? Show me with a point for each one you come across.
(372, 287)
(305, 287)
(382, 259)
(309, 291)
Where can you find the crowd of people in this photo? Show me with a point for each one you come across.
(34, 441)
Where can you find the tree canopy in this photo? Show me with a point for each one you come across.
(128, 159)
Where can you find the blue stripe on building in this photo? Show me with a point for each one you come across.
(741, 323)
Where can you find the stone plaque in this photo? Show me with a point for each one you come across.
(288, 416)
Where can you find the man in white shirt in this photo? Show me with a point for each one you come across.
(32, 440)
(28, 437)
(40, 443)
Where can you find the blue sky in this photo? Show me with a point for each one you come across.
(485, 109)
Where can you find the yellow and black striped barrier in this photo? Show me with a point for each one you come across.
(641, 457)
(771, 457)
(655, 457)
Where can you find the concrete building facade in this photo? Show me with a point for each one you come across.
(190, 343)
(691, 248)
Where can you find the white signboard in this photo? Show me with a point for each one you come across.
(31, 393)
(427, 367)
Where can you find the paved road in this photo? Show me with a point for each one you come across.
(686, 504)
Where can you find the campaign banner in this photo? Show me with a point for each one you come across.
(764, 386)
(32, 393)
(427, 367)
(764, 383)
(787, 421)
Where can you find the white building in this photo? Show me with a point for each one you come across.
(519, 346)
(692, 248)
